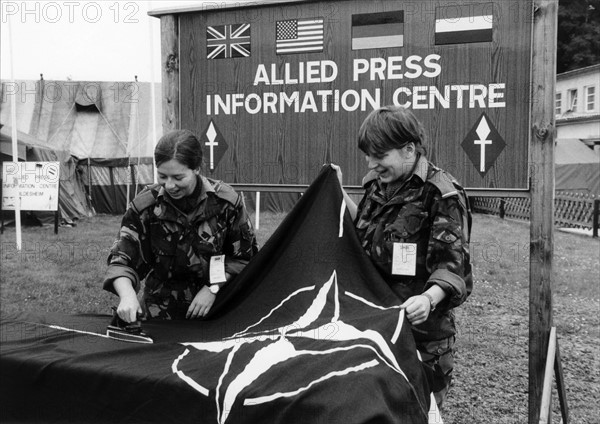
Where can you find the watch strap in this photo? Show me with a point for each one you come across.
(431, 302)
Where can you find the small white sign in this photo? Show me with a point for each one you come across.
(404, 259)
(33, 186)
(217, 269)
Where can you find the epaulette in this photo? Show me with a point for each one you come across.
(225, 191)
(371, 175)
(444, 182)
(146, 198)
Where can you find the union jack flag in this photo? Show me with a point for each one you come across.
(225, 41)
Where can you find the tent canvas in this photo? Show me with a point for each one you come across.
(6, 153)
(72, 198)
(105, 126)
(577, 167)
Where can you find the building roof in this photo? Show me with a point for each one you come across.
(581, 71)
(574, 151)
(573, 117)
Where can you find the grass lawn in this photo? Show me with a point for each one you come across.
(63, 273)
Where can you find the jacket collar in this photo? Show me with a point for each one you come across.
(418, 175)
(420, 170)
(173, 214)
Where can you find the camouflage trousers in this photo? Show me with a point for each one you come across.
(438, 356)
(164, 307)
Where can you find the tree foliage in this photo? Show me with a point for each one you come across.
(578, 34)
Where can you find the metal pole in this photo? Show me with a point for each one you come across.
(257, 211)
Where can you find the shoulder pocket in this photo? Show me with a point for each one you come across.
(445, 236)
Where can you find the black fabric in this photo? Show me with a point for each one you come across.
(307, 333)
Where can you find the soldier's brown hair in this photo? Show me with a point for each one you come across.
(390, 127)
(181, 145)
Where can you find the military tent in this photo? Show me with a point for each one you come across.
(105, 127)
(577, 167)
(6, 153)
(72, 197)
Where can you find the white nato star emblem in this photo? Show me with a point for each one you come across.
(279, 348)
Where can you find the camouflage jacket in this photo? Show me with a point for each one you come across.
(432, 211)
(171, 250)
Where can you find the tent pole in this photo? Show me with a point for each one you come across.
(13, 119)
(128, 181)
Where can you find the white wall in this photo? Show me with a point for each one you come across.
(579, 80)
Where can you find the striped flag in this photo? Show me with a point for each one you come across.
(299, 36)
(378, 30)
(225, 41)
(464, 24)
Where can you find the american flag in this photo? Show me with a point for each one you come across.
(299, 36)
(225, 41)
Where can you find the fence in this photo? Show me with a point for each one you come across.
(571, 210)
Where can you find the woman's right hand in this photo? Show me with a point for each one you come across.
(129, 305)
(129, 308)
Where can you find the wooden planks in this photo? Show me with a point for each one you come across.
(291, 147)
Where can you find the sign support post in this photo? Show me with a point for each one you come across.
(169, 29)
(542, 196)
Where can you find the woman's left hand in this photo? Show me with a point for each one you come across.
(201, 304)
(417, 309)
(338, 172)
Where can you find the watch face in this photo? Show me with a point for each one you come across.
(214, 289)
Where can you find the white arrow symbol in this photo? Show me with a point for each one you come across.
(483, 130)
(211, 134)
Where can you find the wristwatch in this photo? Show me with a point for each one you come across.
(431, 302)
(214, 288)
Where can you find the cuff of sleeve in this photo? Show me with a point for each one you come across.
(115, 271)
(234, 266)
(452, 284)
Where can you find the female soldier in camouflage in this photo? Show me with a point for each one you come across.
(411, 206)
(170, 232)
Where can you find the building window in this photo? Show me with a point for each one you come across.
(573, 100)
(558, 103)
(590, 98)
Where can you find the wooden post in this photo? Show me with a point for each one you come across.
(595, 217)
(542, 196)
(57, 211)
(546, 411)
(1, 211)
(169, 30)
(502, 207)
(560, 385)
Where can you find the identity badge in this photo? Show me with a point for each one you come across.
(217, 269)
(404, 259)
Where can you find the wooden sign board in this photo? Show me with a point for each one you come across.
(277, 90)
(32, 186)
